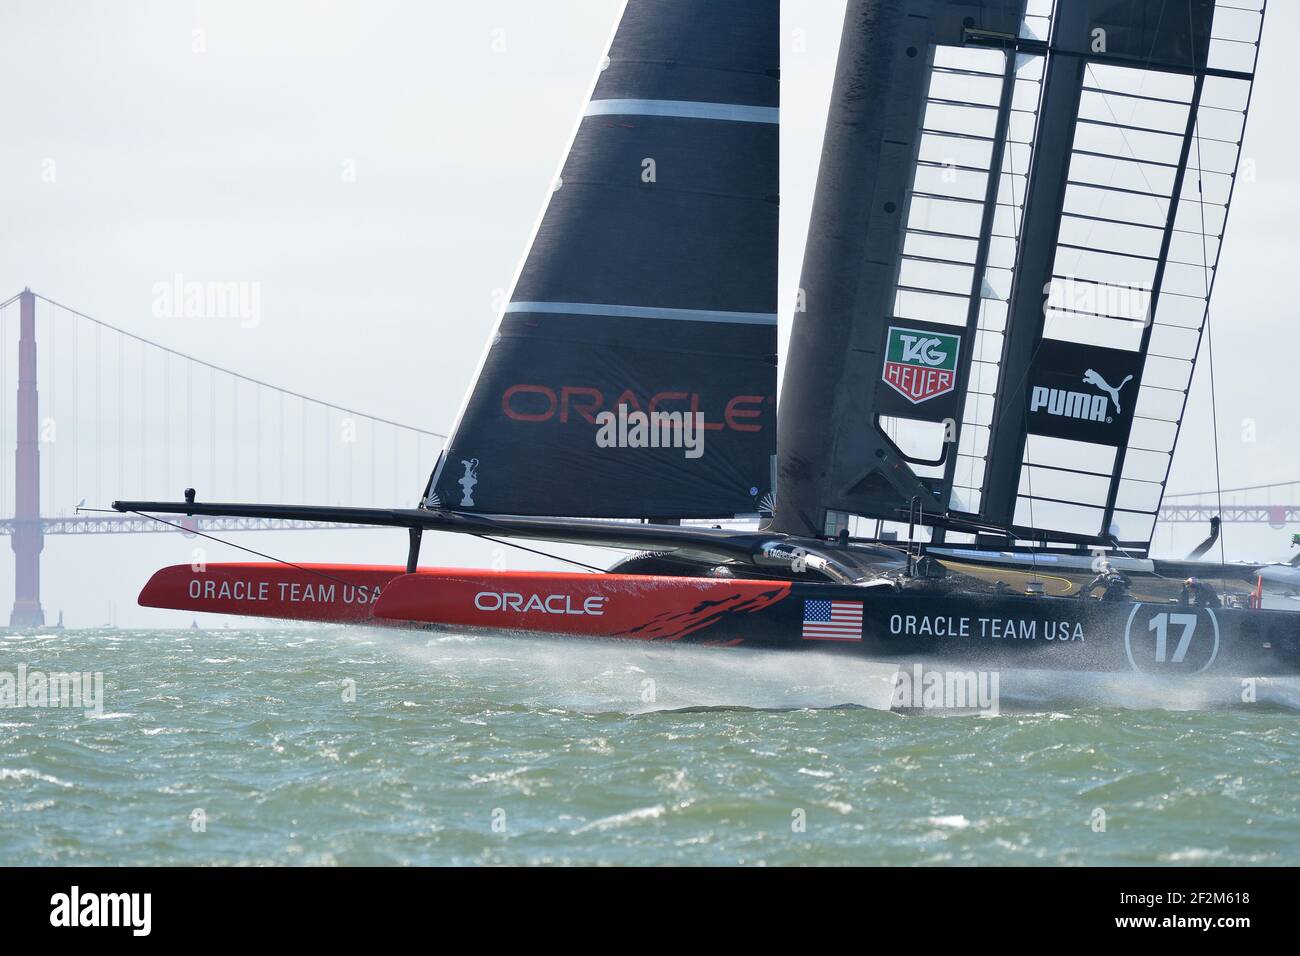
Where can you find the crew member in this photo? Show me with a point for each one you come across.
(1114, 584)
(1197, 593)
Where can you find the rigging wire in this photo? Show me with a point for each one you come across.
(317, 571)
(556, 557)
(211, 537)
(1209, 355)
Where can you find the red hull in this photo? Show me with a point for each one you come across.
(337, 593)
(597, 605)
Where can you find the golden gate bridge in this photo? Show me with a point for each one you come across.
(1250, 504)
(98, 410)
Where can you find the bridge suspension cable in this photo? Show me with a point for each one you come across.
(156, 423)
(226, 371)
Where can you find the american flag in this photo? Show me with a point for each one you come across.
(832, 620)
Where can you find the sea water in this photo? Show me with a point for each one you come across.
(319, 745)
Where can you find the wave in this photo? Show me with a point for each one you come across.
(635, 678)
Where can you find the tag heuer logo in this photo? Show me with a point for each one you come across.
(921, 365)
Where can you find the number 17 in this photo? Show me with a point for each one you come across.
(1160, 624)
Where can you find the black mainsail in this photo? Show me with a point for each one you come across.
(1014, 240)
(650, 287)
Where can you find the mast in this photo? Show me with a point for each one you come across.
(832, 455)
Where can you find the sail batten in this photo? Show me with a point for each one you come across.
(686, 109)
(644, 312)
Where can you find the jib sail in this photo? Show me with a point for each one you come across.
(633, 371)
(1014, 290)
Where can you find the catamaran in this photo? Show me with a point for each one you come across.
(1015, 232)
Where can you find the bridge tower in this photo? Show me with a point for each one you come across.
(28, 535)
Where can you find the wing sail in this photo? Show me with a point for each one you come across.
(1127, 210)
(1015, 297)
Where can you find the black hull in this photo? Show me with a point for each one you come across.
(991, 632)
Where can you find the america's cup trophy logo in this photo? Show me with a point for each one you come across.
(467, 482)
(920, 365)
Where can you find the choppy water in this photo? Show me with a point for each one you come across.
(510, 750)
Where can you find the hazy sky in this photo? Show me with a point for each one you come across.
(377, 168)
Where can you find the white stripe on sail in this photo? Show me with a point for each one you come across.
(685, 109)
(644, 312)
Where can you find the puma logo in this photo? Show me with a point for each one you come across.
(1092, 378)
(1084, 406)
